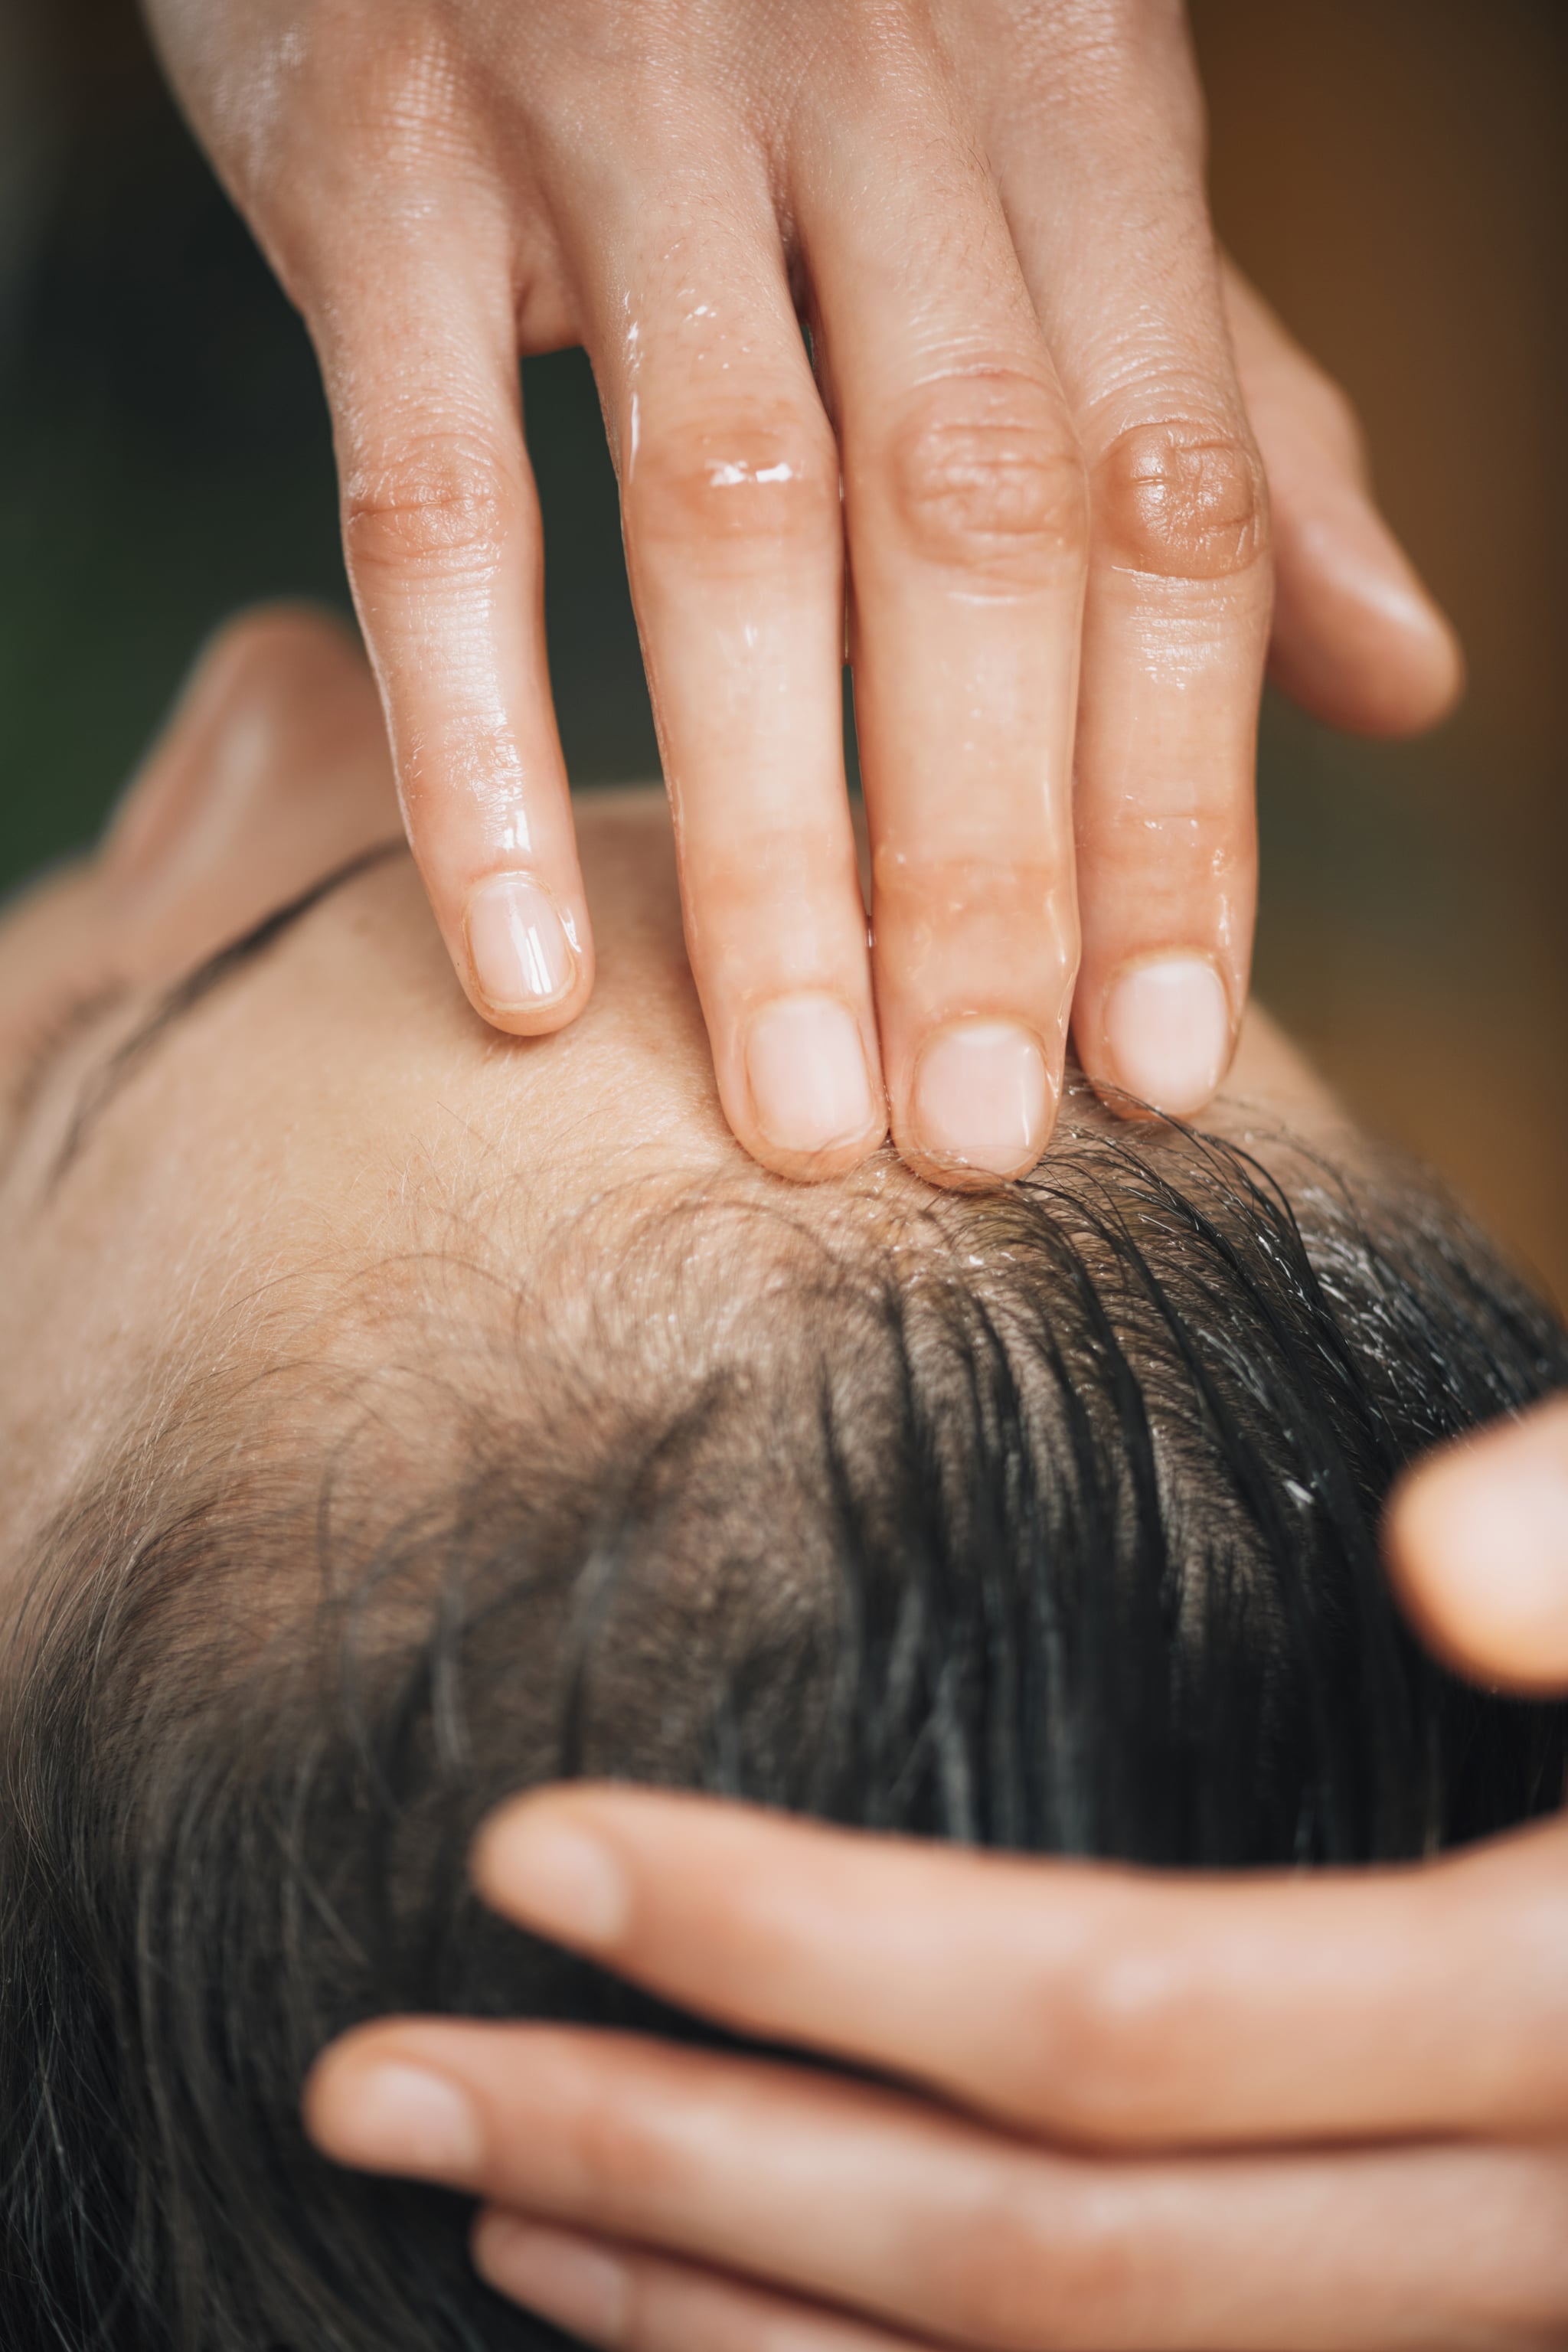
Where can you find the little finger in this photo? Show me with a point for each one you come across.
(1357, 638)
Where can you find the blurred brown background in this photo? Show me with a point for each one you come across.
(1395, 176)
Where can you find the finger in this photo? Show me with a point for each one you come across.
(1115, 2007)
(631, 2301)
(1176, 620)
(1478, 1547)
(442, 540)
(965, 511)
(730, 498)
(859, 2196)
(1357, 638)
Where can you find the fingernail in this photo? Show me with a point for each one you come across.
(983, 1098)
(569, 2280)
(806, 1068)
(556, 1879)
(517, 947)
(1167, 1026)
(396, 2117)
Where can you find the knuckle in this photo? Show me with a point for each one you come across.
(1528, 2302)
(743, 481)
(1001, 884)
(1182, 500)
(1031, 2265)
(645, 2316)
(436, 502)
(620, 2159)
(1105, 2044)
(984, 476)
(1010, 926)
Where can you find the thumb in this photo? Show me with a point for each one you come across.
(1478, 1548)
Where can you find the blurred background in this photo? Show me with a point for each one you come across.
(1395, 176)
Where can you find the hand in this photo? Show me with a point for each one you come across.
(1142, 2110)
(992, 215)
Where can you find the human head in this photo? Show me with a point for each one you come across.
(401, 1416)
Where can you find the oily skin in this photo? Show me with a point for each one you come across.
(1039, 470)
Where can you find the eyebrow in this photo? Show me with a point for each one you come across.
(130, 1058)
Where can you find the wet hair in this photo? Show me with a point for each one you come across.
(1047, 1520)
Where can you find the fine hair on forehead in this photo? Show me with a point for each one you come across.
(1045, 1520)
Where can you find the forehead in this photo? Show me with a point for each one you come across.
(342, 1103)
(339, 1101)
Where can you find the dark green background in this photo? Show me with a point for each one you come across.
(170, 459)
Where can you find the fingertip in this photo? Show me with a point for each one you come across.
(1424, 679)
(328, 2096)
(1358, 639)
(1165, 1037)
(316, 2094)
(813, 1168)
(579, 2282)
(381, 2106)
(981, 1106)
(527, 957)
(543, 1863)
(813, 1105)
(1477, 1543)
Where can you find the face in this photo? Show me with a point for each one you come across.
(191, 1148)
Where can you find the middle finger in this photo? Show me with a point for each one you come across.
(729, 502)
(966, 520)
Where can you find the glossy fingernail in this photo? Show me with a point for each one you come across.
(981, 1098)
(391, 2116)
(807, 1068)
(570, 2280)
(555, 1877)
(1168, 1030)
(518, 948)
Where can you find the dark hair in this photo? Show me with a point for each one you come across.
(1047, 1520)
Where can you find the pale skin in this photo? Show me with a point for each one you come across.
(259, 1154)
(1052, 471)
(1271, 2112)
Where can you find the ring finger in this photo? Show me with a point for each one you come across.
(965, 502)
(1180, 584)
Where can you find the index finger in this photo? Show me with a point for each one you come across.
(442, 541)
(1105, 2005)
